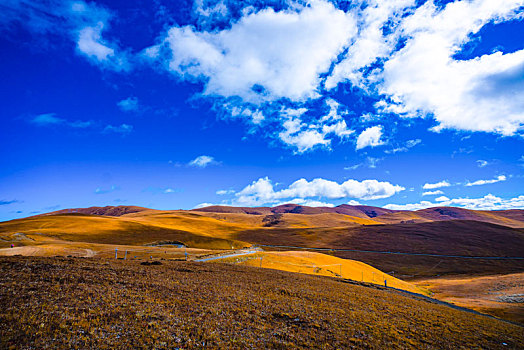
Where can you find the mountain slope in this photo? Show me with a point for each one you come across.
(122, 304)
(506, 218)
(454, 237)
(102, 229)
(105, 211)
(430, 231)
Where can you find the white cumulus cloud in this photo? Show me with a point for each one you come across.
(306, 136)
(371, 137)
(479, 94)
(488, 202)
(431, 186)
(262, 191)
(266, 55)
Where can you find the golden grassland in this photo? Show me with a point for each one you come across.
(323, 265)
(301, 262)
(499, 295)
(90, 236)
(117, 230)
(104, 251)
(138, 230)
(92, 303)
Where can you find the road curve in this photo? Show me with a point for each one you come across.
(245, 252)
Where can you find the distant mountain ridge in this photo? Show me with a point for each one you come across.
(360, 211)
(510, 218)
(105, 211)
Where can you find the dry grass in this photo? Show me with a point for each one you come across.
(323, 265)
(291, 220)
(501, 217)
(110, 230)
(106, 251)
(207, 230)
(86, 303)
(459, 237)
(500, 295)
(301, 262)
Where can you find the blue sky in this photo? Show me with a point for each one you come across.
(175, 104)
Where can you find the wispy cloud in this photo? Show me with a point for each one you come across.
(51, 119)
(432, 193)
(123, 129)
(482, 163)
(409, 144)
(224, 192)
(4, 202)
(202, 161)
(162, 190)
(100, 190)
(486, 182)
(370, 162)
(129, 104)
(80, 22)
(47, 119)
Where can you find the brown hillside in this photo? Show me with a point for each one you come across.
(360, 211)
(459, 237)
(282, 225)
(505, 218)
(450, 213)
(86, 303)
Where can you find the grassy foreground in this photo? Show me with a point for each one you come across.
(96, 303)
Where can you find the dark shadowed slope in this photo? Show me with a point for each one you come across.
(457, 237)
(510, 218)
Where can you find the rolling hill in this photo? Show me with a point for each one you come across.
(424, 241)
(440, 231)
(360, 214)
